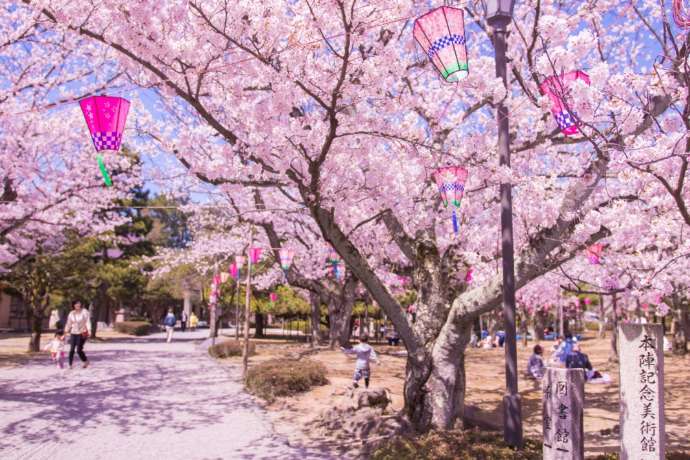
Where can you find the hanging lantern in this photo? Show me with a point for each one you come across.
(233, 271)
(286, 256)
(588, 301)
(273, 297)
(557, 88)
(105, 117)
(681, 15)
(451, 185)
(468, 275)
(216, 280)
(594, 253)
(255, 255)
(240, 261)
(441, 33)
(224, 277)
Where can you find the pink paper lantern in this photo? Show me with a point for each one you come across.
(441, 33)
(594, 253)
(273, 297)
(234, 271)
(286, 256)
(468, 275)
(588, 301)
(105, 117)
(451, 185)
(255, 255)
(558, 89)
(681, 14)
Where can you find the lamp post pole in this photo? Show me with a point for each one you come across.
(245, 351)
(512, 412)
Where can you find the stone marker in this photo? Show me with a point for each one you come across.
(641, 353)
(563, 401)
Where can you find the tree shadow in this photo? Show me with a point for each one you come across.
(135, 391)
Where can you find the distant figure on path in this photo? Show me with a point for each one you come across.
(183, 321)
(193, 321)
(169, 323)
(56, 347)
(392, 336)
(535, 365)
(78, 327)
(364, 353)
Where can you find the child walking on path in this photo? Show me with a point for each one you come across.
(56, 347)
(364, 353)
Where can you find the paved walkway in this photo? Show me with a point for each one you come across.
(139, 399)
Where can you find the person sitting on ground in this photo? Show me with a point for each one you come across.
(578, 360)
(535, 365)
(364, 353)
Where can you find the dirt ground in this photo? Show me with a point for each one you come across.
(486, 383)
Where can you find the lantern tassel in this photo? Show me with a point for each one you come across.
(104, 171)
(456, 225)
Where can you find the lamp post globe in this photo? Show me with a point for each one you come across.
(499, 13)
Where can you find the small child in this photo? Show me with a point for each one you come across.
(365, 353)
(57, 349)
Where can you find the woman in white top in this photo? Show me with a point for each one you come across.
(78, 327)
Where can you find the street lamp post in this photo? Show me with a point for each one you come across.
(499, 14)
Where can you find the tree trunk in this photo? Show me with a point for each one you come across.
(613, 356)
(36, 330)
(602, 318)
(315, 303)
(93, 317)
(258, 325)
(435, 381)
(340, 313)
(682, 327)
(540, 317)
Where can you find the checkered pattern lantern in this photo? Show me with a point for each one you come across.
(105, 117)
(594, 253)
(558, 89)
(286, 256)
(451, 185)
(441, 33)
(333, 260)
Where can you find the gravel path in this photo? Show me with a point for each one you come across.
(139, 399)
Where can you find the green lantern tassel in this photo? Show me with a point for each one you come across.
(104, 171)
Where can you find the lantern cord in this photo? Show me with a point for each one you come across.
(106, 177)
(456, 225)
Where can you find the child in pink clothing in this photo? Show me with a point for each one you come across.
(57, 349)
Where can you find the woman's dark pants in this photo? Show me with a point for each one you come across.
(76, 341)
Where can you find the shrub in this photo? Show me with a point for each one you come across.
(284, 377)
(138, 328)
(230, 348)
(455, 445)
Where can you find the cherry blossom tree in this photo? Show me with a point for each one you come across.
(329, 105)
